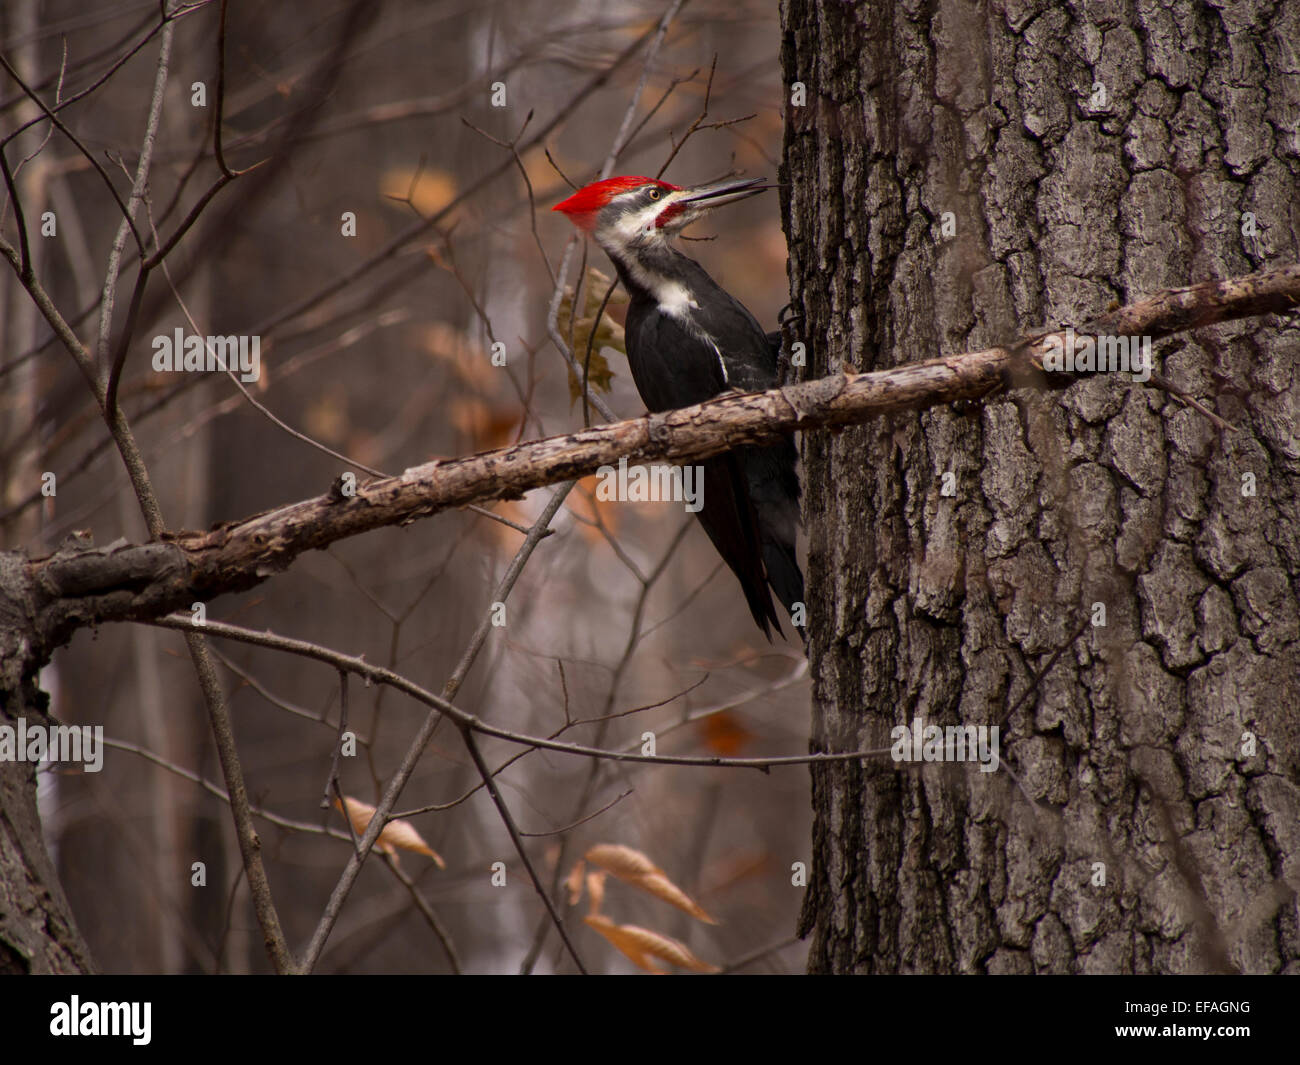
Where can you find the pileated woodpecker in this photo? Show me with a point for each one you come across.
(688, 340)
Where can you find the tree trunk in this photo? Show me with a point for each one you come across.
(955, 173)
(37, 931)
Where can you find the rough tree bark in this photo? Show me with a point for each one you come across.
(1086, 154)
(38, 933)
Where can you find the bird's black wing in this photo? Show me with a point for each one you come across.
(751, 359)
(673, 367)
(774, 490)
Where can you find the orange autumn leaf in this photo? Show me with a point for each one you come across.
(658, 885)
(635, 868)
(641, 945)
(623, 943)
(574, 881)
(397, 835)
(724, 734)
(623, 862)
(596, 890)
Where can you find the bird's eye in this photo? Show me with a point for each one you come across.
(654, 194)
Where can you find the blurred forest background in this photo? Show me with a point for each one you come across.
(377, 346)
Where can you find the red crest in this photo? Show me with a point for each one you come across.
(583, 206)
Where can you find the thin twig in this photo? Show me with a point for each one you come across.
(214, 789)
(117, 65)
(462, 719)
(250, 847)
(58, 123)
(1038, 677)
(138, 186)
(556, 167)
(469, 793)
(332, 782)
(1187, 399)
(582, 820)
(430, 916)
(24, 263)
(512, 148)
(471, 744)
(383, 810)
(217, 153)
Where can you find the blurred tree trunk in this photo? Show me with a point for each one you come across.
(1082, 162)
(37, 931)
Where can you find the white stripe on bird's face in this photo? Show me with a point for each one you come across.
(633, 228)
(623, 232)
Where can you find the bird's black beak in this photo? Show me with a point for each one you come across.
(715, 195)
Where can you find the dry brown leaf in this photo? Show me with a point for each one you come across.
(641, 944)
(397, 835)
(635, 868)
(608, 333)
(658, 885)
(600, 378)
(624, 944)
(623, 862)
(596, 284)
(574, 881)
(596, 890)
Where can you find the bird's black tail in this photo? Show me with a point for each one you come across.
(786, 579)
(729, 517)
(774, 492)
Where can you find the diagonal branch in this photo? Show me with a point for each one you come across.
(489, 782)
(127, 224)
(75, 588)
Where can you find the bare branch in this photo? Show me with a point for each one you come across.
(241, 809)
(471, 744)
(78, 587)
(213, 789)
(462, 719)
(58, 123)
(138, 187)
